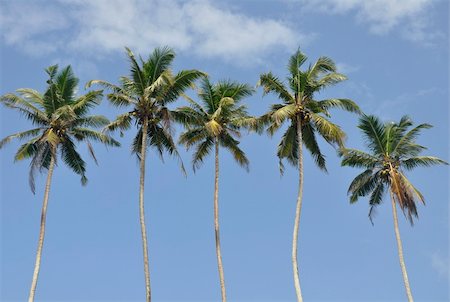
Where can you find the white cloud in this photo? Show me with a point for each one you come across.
(347, 68)
(440, 264)
(103, 26)
(410, 17)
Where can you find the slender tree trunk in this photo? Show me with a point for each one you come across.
(37, 264)
(400, 250)
(141, 211)
(298, 210)
(216, 225)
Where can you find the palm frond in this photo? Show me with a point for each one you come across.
(375, 199)
(295, 62)
(309, 139)
(181, 82)
(122, 122)
(374, 132)
(321, 66)
(358, 159)
(271, 83)
(232, 145)
(202, 150)
(331, 132)
(193, 136)
(423, 161)
(365, 186)
(136, 73)
(20, 135)
(406, 144)
(288, 147)
(82, 134)
(72, 159)
(345, 104)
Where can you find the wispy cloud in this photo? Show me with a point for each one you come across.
(346, 68)
(440, 264)
(405, 100)
(411, 18)
(100, 27)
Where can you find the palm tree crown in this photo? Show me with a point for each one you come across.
(393, 150)
(300, 107)
(60, 118)
(217, 120)
(149, 89)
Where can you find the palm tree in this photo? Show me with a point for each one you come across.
(393, 149)
(61, 120)
(306, 117)
(216, 122)
(149, 90)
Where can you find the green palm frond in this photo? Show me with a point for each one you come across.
(295, 62)
(72, 159)
(82, 134)
(329, 80)
(136, 73)
(20, 135)
(424, 161)
(28, 149)
(374, 132)
(406, 145)
(359, 181)
(375, 199)
(202, 150)
(40, 160)
(87, 101)
(232, 145)
(271, 83)
(365, 186)
(193, 136)
(188, 116)
(122, 122)
(345, 104)
(32, 113)
(158, 62)
(288, 146)
(321, 66)
(309, 139)
(332, 133)
(32, 96)
(358, 159)
(282, 113)
(94, 121)
(181, 82)
(66, 84)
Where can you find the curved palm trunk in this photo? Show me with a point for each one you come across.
(141, 211)
(216, 225)
(400, 250)
(297, 213)
(37, 264)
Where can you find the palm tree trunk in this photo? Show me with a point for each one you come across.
(37, 264)
(297, 212)
(400, 250)
(216, 225)
(141, 211)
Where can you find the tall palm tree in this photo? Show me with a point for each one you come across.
(149, 89)
(393, 149)
(61, 119)
(216, 122)
(307, 117)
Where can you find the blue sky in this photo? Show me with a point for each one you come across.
(396, 55)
